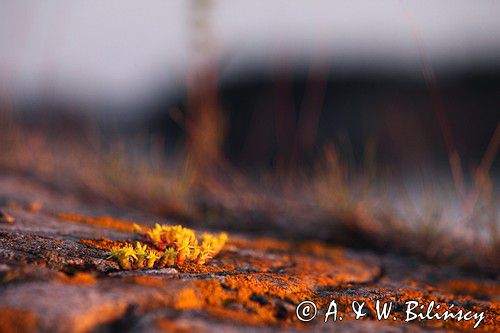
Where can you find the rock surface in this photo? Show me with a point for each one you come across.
(56, 277)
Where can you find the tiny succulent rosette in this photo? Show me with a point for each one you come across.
(167, 246)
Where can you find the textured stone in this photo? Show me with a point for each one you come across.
(55, 279)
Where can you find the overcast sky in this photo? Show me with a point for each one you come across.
(123, 48)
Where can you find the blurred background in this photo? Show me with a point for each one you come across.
(346, 70)
(263, 115)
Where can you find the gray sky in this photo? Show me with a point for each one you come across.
(123, 48)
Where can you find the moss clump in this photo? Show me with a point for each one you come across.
(167, 246)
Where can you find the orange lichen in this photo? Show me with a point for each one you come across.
(192, 267)
(149, 281)
(467, 287)
(262, 317)
(101, 221)
(186, 299)
(244, 290)
(217, 298)
(102, 243)
(16, 320)
(321, 250)
(278, 285)
(262, 244)
(81, 278)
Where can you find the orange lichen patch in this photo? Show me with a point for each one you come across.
(216, 298)
(314, 257)
(262, 244)
(326, 272)
(253, 261)
(102, 243)
(16, 320)
(330, 270)
(234, 301)
(149, 281)
(260, 317)
(187, 299)
(468, 287)
(320, 249)
(211, 293)
(276, 285)
(190, 267)
(101, 221)
(80, 278)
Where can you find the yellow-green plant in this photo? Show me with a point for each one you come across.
(169, 257)
(141, 251)
(125, 255)
(138, 257)
(168, 246)
(152, 257)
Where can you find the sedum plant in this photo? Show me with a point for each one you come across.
(168, 246)
(125, 255)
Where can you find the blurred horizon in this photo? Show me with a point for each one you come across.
(116, 55)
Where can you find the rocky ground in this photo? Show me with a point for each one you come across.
(56, 277)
